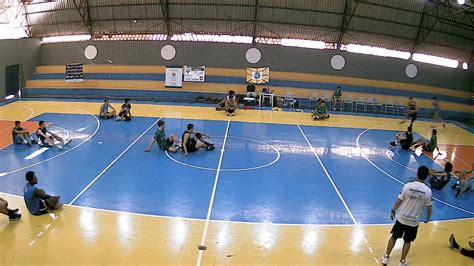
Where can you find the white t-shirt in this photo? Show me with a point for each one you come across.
(415, 196)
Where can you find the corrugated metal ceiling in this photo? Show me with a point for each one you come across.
(408, 24)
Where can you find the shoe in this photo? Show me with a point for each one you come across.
(403, 262)
(393, 144)
(60, 147)
(385, 259)
(444, 125)
(412, 148)
(28, 144)
(210, 147)
(452, 242)
(118, 118)
(13, 211)
(458, 193)
(14, 217)
(67, 142)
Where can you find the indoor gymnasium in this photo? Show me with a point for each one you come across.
(236, 132)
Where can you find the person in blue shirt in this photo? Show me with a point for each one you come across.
(36, 199)
(104, 110)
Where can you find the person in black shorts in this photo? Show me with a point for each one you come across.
(37, 200)
(411, 201)
(125, 113)
(193, 141)
(46, 137)
(405, 139)
(412, 112)
(170, 143)
(439, 179)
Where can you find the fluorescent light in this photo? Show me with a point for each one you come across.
(369, 50)
(192, 37)
(303, 43)
(68, 38)
(465, 65)
(10, 97)
(435, 60)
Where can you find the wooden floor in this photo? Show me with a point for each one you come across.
(78, 235)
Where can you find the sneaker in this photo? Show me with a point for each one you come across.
(60, 147)
(393, 144)
(14, 217)
(14, 210)
(28, 144)
(452, 242)
(67, 142)
(412, 148)
(458, 192)
(385, 259)
(118, 118)
(403, 262)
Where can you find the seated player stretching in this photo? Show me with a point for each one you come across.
(193, 141)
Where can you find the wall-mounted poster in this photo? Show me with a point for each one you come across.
(258, 75)
(174, 76)
(197, 74)
(74, 72)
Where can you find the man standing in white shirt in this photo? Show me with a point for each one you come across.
(411, 200)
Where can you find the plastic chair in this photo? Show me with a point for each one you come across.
(378, 104)
(370, 102)
(289, 100)
(360, 101)
(400, 107)
(314, 97)
(328, 100)
(389, 104)
(348, 100)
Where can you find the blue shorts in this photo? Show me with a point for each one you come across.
(17, 139)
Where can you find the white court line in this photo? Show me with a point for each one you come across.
(64, 152)
(36, 153)
(211, 203)
(327, 174)
(395, 178)
(114, 161)
(231, 169)
(233, 222)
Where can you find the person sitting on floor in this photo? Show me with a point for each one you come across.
(170, 143)
(125, 113)
(36, 200)
(405, 139)
(439, 179)
(104, 110)
(430, 145)
(464, 182)
(193, 141)
(321, 111)
(46, 137)
(21, 135)
(466, 252)
(230, 103)
(13, 215)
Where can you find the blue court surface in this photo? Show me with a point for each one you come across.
(287, 174)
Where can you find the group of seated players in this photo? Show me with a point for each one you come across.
(42, 136)
(191, 140)
(438, 179)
